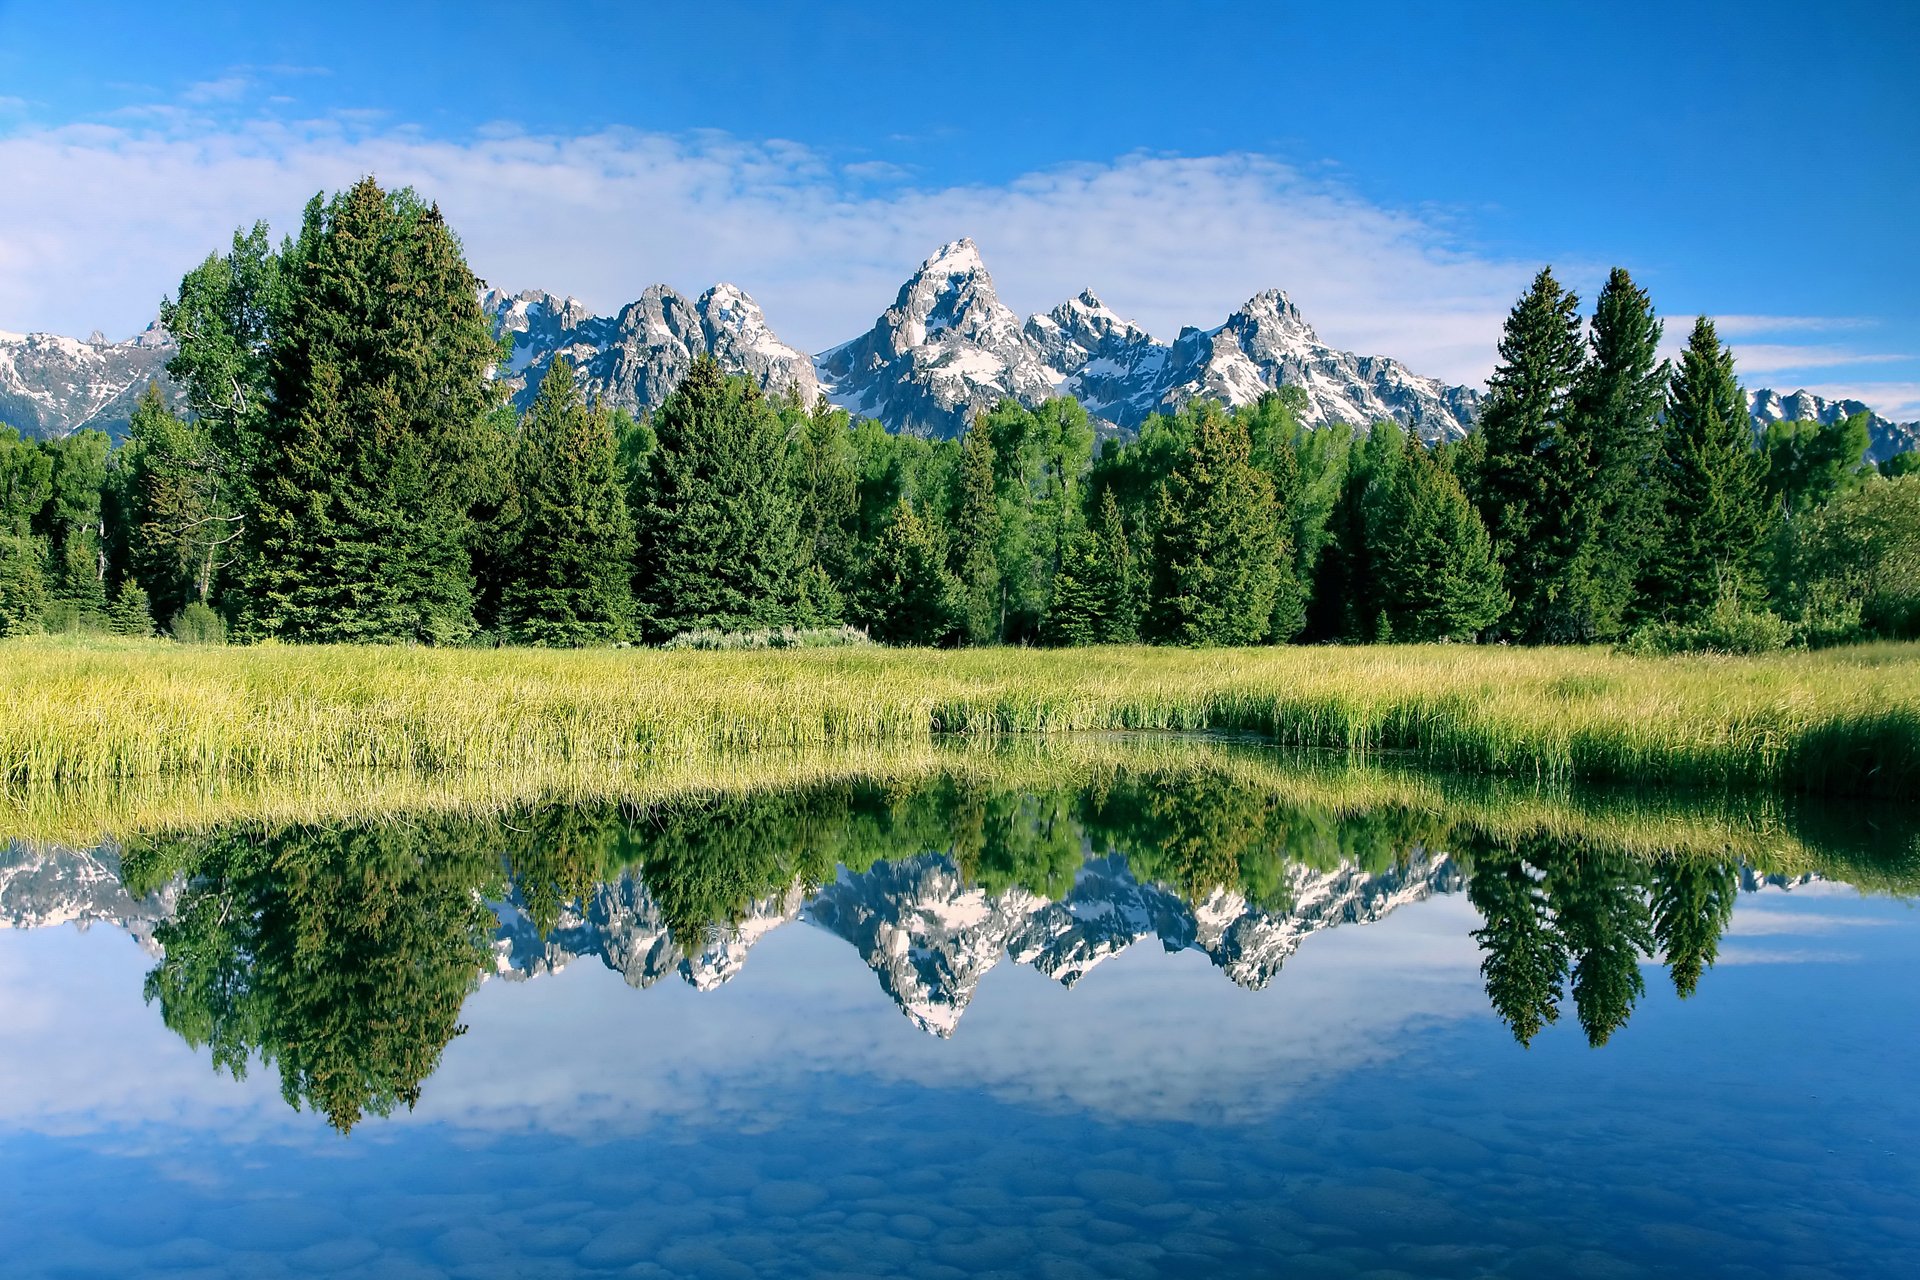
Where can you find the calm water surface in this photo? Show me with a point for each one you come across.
(1162, 1023)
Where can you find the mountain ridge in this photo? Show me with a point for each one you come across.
(946, 350)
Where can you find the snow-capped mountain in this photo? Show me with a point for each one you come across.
(948, 349)
(51, 386)
(634, 360)
(41, 888)
(1885, 438)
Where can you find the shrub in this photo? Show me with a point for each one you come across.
(131, 614)
(198, 624)
(769, 638)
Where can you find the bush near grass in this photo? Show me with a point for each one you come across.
(770, 638)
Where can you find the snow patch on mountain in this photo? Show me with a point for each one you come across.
(1884, 438)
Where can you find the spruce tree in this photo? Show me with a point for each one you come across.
(904, 594)
(1692, 906)
(1717, 511)
(1216, 550)
(1614, 431)
(976, 537)
(571, 564)
(130, 614)
(363, 475)
(1438, 579)
(1526, 959)
(1528, 476)
(827, 481)
(718, 530)
(1077, 613)
(1118, 575)
(1600, 907)
(23, 584)
(183, 524)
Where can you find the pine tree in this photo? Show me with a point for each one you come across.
(572, 540)
(1215, 551)
(130, 614)
(1438, 579)
(1118, 576)
(1600, 907)
(1614, 428)
(976, 537)
(363, 475)
(718, 530)
(904, 594)
(23, 584)
(1717, 512)
(1527, 476)
(827, 481)
(1077, 613)
(1347, 603)
(1526, 958)
(1692, 905)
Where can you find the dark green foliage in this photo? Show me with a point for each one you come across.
(827, 481)
(1528, 475)
(130, 614)
(1614, 510)
(1040, 456)
(198, 624)
(1096, 595)
(718, 531)
(1526, 959)
(904, 594)
(1692, 905)
(976, 538)
(1809, 464)
(340, 957)
(1217, 556)
(363, 475)
(1437, 577)
(1348, 601)
(23, 584)
(1852, 568)
(1713, 484)
(1600, 907)
(26, 483)
(1900, 464)
(571, 537)
(183, 528)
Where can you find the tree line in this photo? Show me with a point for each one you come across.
(349, 470)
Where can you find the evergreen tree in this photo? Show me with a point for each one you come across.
(1692, 906)
(718, 531)
(1714, 486)
(572, 540)
(1600, 908)
(1614, 430)
(1215, 550)
(1528, 476)
(905, 594)
(1117, 575)
(1077, 613)
(1348, 601)
(363, 478)
(827, 480)
(1438, 579)
(130, 614)
(23, 584)
(976, 541)
(1526, 959)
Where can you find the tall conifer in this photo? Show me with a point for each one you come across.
(1527, 476)
(1717, 511)
(718, 530)
(572, 539)
(1216, 553)
(976, 537)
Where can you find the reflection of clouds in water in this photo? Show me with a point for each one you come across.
(1757, 921)
(1150, 1035)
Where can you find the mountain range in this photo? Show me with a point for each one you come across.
(946, 350)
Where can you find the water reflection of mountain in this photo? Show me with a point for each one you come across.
(341, 955)
(930, 934)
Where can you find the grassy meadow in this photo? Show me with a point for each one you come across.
(1841, 721)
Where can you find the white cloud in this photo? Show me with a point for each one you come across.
(1772, 357)
(116, 213)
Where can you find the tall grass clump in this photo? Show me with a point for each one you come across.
(1837, 721)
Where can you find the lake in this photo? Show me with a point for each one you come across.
(1199, 1009)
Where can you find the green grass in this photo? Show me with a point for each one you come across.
(1843, 721)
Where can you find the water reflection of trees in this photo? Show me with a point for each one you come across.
(341, 956)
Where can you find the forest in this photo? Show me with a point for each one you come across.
(349, 470)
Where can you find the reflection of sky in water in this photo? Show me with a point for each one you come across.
(1367, 1111)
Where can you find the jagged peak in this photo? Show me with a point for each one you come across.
(954, 258)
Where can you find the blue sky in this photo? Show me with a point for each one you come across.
(1400, 169)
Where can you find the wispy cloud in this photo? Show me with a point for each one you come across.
(121, 209)
(1747, 326)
